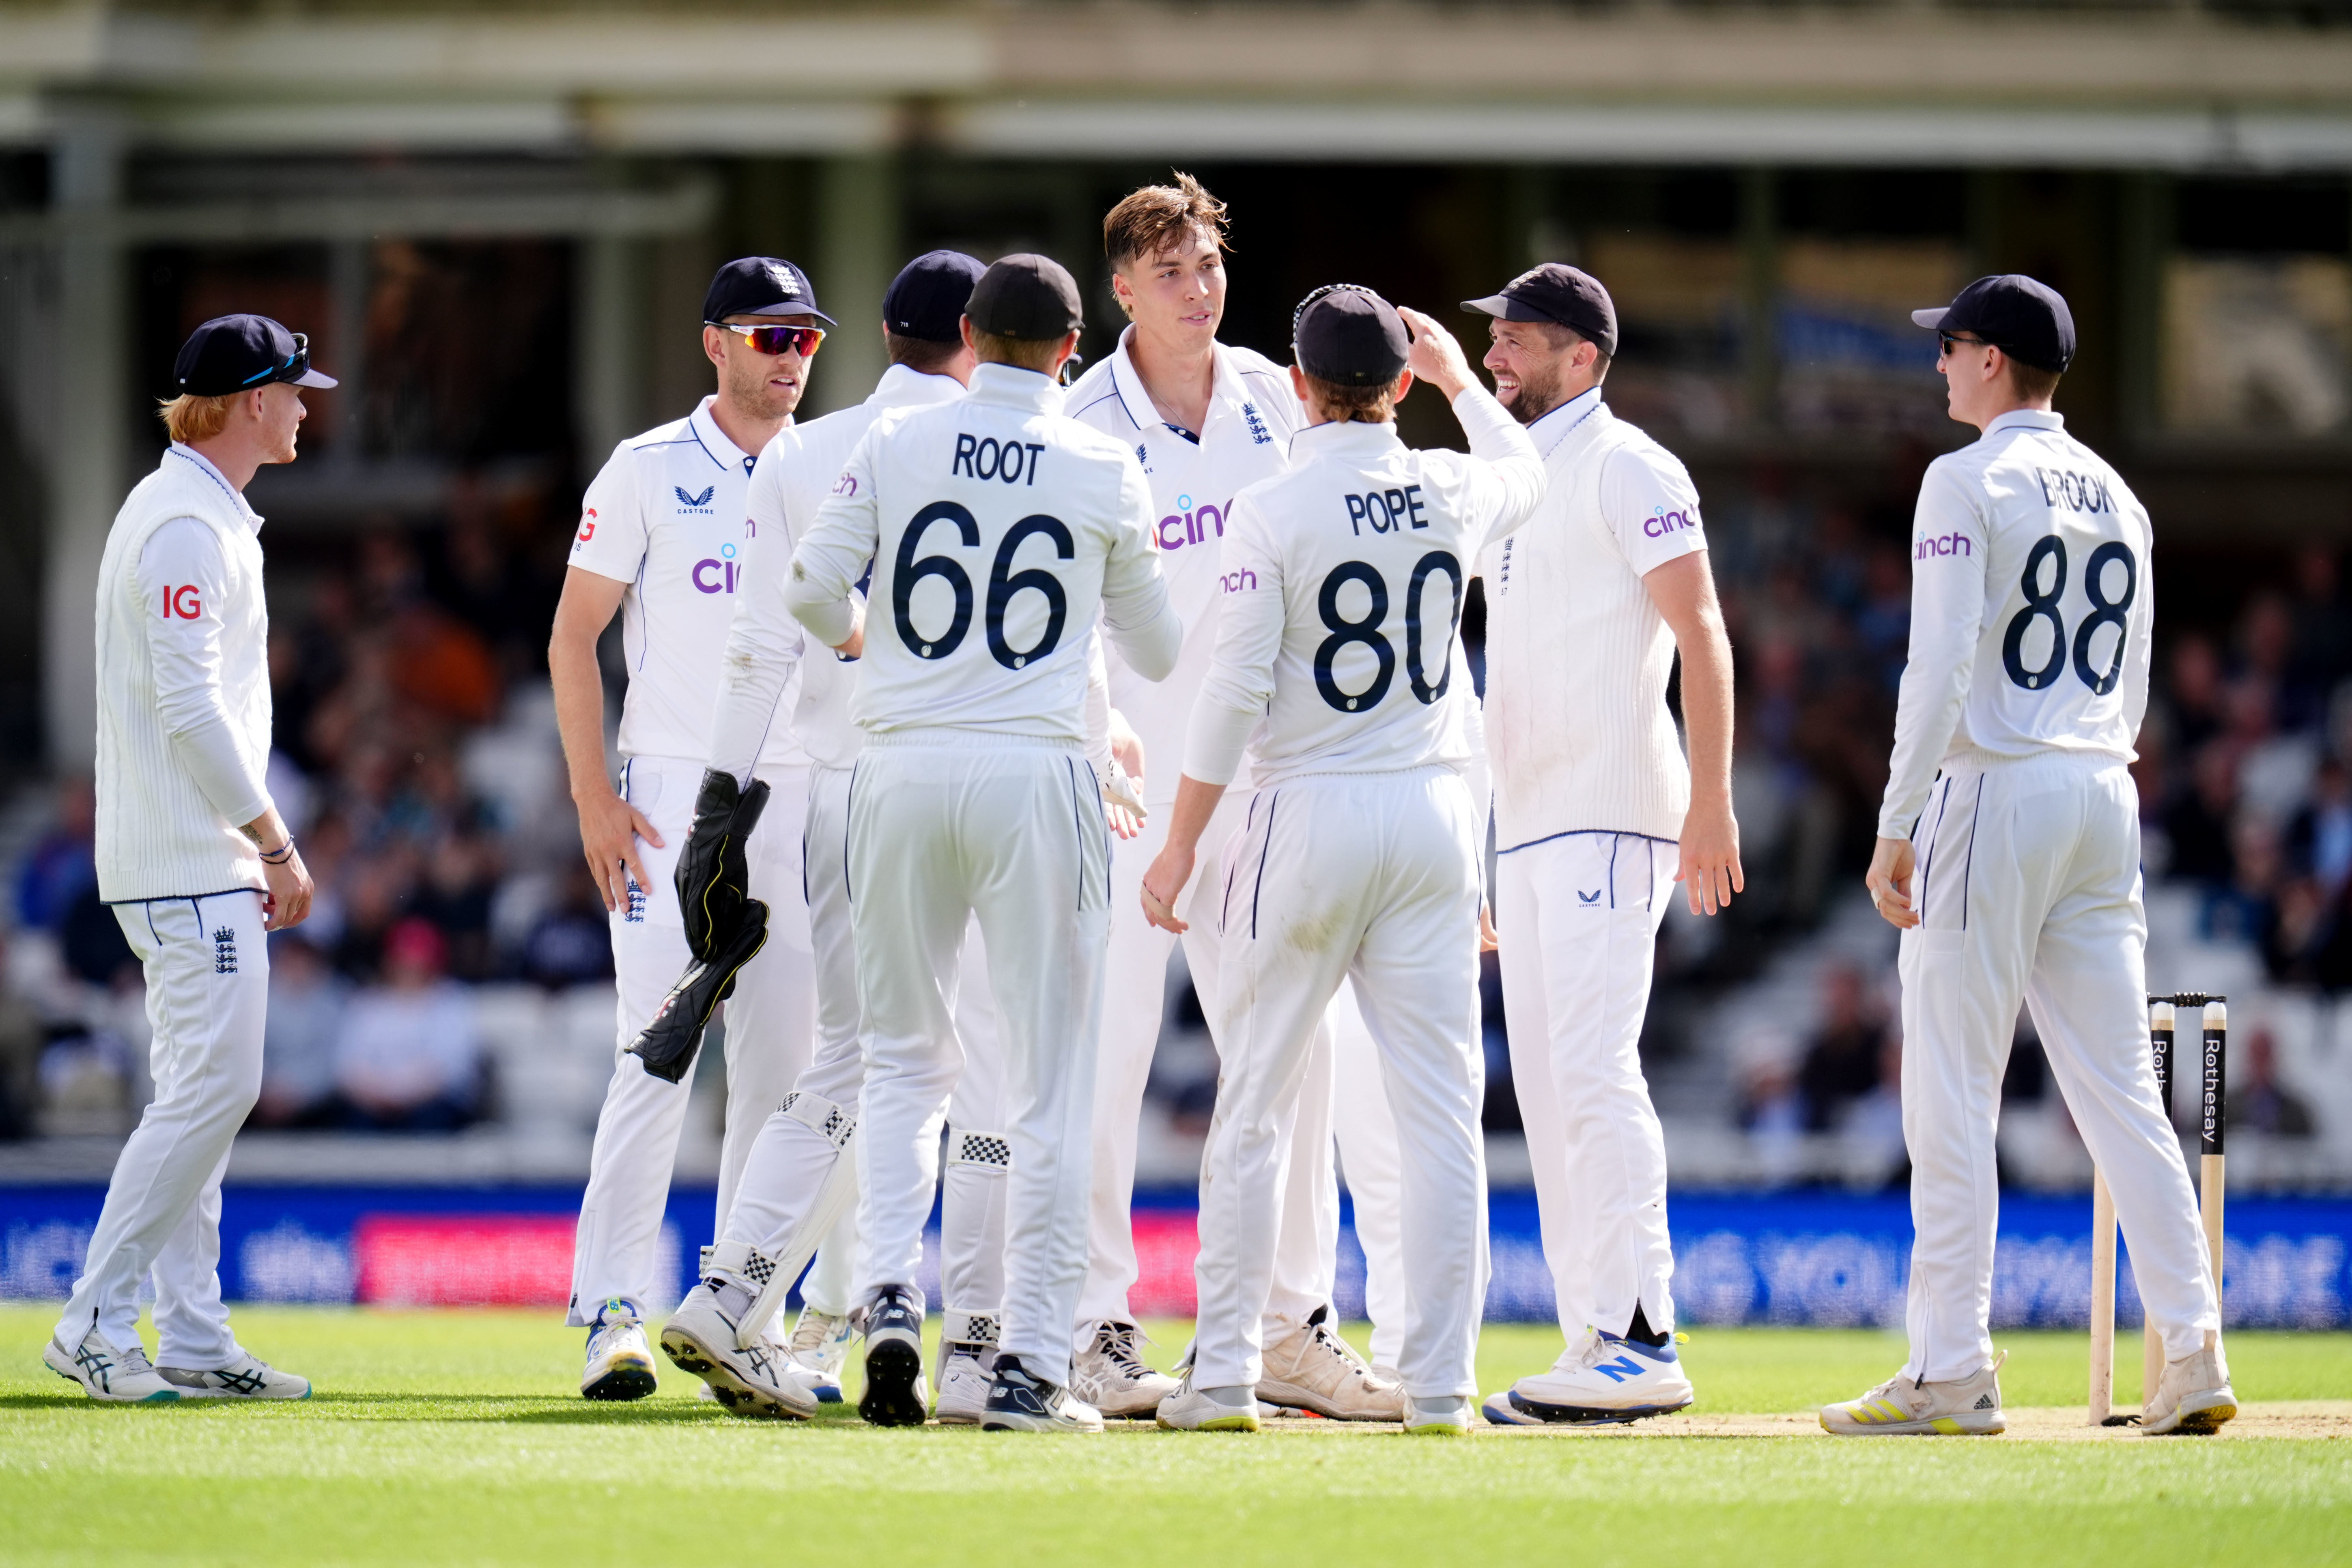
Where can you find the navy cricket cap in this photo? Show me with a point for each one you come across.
(234, 353)
(926, 302)
(1028, 296)
(2024, 318)
(1559, 293)
(760, 285)
(1348, 335)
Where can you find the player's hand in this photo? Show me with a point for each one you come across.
(609, 831)
(1164, 884)
(288, 902)
(1127, 748)
(1123, 801)
(1889, 882)
(1487, 941)
(1709, 867)
(1435, 357)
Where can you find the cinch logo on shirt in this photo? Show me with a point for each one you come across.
(717, 576)
(1241, 582)
(183, 602)
(1191, 526)
(1661, 522)
(2075, 492)
(700, 504)
(1943, 544)
(846, 485)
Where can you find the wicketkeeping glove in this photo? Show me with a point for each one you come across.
(714, 878)
(667, 1045)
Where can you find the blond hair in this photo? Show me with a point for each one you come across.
(1155, 219)
(193, 419)
(1342, 404)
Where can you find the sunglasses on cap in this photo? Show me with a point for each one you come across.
(801, 340)
(294, 367)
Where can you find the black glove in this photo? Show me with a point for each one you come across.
(667, 1043)
(714, 878)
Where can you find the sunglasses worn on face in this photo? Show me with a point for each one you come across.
(801, 340)
(1944, 342)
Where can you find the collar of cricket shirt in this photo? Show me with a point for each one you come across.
(2027, 419)
(1350, 437)
(1021, 388)
(1583, 414)
(205, 466)
(723, 452)
(902, 386)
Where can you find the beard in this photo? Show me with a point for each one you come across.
(1538, 395)
(748, 390)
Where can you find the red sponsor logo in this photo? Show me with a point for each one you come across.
(464, 1260)
(183, 602)
(588, 526)
(1167, 1242)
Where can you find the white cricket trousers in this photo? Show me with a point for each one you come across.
(1372, 877)
(770, 1027)
(2028, 883)
(207, 961)
(944, 825)
(1134, 1004)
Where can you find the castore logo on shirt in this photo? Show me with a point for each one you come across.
(700, 504)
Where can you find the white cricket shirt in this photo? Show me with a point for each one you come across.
(1253, 415)
(665, 515)
(775, 679)
(183, 705)
(1576, 654)
(1342, 586)
(2032, 601)
(999, 530)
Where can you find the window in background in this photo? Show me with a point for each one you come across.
(2258, 345)
(1851, 360)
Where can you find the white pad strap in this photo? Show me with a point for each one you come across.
(989, 1152)
(960, 1327)
(833, 1199)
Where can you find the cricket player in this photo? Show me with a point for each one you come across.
(193, 858)
(1343, 582)
(999, 530)
(2009, 856)
(1205, 420)
(661, 540)
(1597, 815)
(799, 1185)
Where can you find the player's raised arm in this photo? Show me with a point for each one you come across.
(1511, 467)
(825, 566)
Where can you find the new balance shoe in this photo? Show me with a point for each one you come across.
(1906, 1407)
(700, 1338)
(247, 1377)
(1111, 1374)
(118, 1376)
(620, 1358)
(820, 1347)
(1021, 1401)
(967, 1374)
(2193, 1395)
(1447, 1416)
(1601, 1380)
(1191, 1410)
(1312, 1368)
(895, 1395)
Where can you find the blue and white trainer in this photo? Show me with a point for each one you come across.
(1021, 1401)
(620, 1357)
(120, 1375)
(895, 1394)
(1601, 1380)
(820, 1348)
(247, 1377)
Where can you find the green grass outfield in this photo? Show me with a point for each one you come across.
(456, 1437)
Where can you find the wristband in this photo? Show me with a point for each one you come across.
(279, 856)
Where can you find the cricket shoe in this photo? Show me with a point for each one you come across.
(1602, 1380)
(1907, 1407)
(1190, 1409)
(700, 1338)
(1021, 1401)
(2193, 1395)
(1111, 1374)
(1447, 1416)
(247, 1377)
(894, 1394)
(122, 1376)
(820, 1348)
(967, 1374)
(781, 1348)
(1312, 1368)
(620, 1358)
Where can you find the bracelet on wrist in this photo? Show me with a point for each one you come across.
(279, 856)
